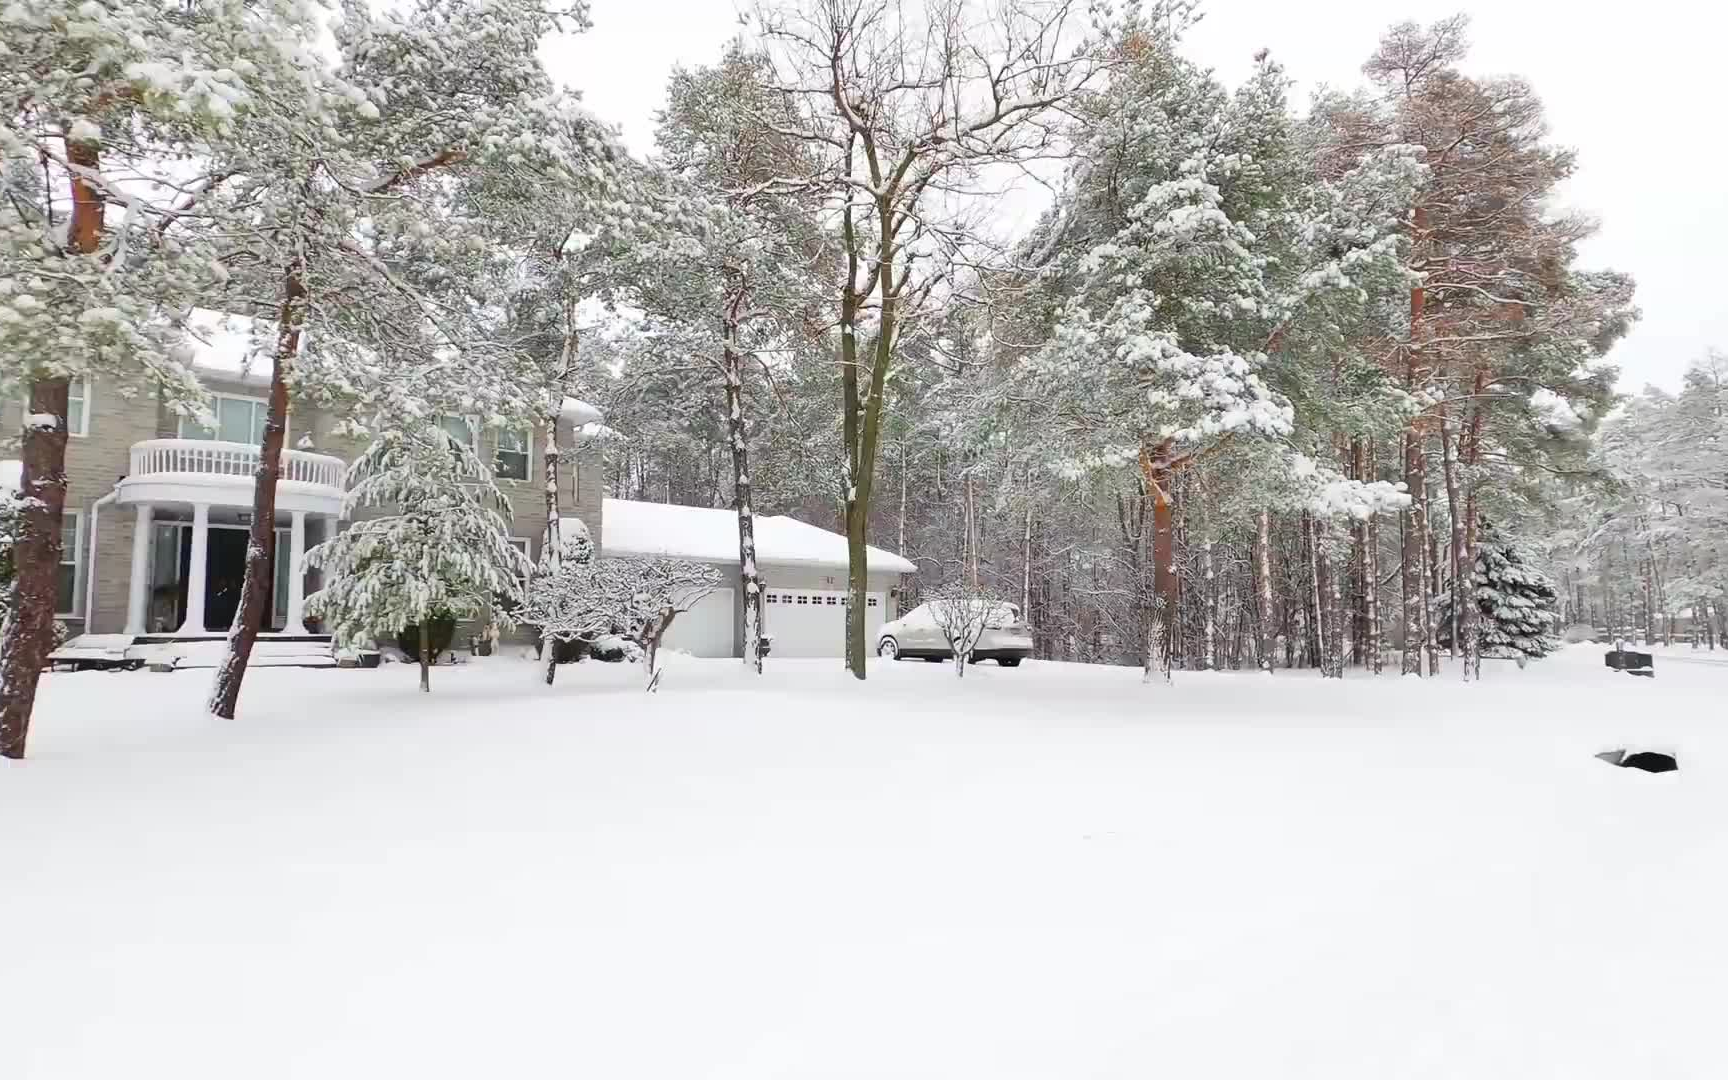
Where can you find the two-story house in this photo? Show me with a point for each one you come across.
(158, 508)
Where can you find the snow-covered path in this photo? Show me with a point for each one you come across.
(1045, 872)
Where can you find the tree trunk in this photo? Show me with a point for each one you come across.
(551, 661)
(1026, 568)
(551, 456)
(29, 634)
(426, 654)
(261, 543)
(1431, 569)
(732, 360)
(1263, 560)
(1467, 621)
(1163, 615)
(1415, 478)
(1455, 505)
(1411, 576)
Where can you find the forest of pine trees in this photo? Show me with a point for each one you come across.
(1241, 397)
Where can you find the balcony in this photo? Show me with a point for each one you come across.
(201, 471)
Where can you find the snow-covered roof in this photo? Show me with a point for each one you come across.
(236, 348)
(228, 347)
(709, 535)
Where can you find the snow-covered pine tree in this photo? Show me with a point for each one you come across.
(117, 124)
(441, 547)
(1200, 255)
(1515, 601)
(350, 190)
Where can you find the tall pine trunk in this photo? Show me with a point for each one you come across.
(1412, 576)
(1455, 505)
(1467, 622)
(29, 635)
(261, 541)
(1263, 560)
(732, 364)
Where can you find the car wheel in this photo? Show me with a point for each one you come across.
(1008, 661)
(888, 649)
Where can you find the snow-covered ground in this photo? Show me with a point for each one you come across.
(1044, 872)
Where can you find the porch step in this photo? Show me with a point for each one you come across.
(191, 651)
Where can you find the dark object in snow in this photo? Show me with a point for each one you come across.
(1648, 760)
(440, 629)
(1632, 663)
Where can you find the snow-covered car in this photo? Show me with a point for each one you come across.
(916, 634)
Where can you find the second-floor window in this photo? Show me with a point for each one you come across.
(78, 407)
(511, 461)
(238, 420)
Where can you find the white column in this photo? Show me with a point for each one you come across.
(297, 575)
(194, 623)
(138, 589)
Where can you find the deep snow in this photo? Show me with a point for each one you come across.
(1044, 872)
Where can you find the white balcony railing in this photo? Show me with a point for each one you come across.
(202, 457)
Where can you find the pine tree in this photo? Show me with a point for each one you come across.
(441, 548)
(1515, 601)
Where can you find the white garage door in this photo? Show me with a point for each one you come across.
(706, 629)
(812, 622)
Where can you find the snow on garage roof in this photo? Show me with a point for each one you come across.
(235, 347)
(709, 535)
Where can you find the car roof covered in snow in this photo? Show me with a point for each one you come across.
(236, 348)
(710, 535)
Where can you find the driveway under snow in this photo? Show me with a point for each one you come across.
(1050, 872)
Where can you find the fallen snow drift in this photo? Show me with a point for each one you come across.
(1043, 872)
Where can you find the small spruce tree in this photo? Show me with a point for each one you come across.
(441, 548)
(1514, 599)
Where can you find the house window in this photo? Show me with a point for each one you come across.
(458, 428)
(78, 407)
(870, 602)
(511, 460)
(520, 543)
(71, 548)
(238, 420)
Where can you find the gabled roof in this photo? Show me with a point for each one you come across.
(710, 535)
(235, 348)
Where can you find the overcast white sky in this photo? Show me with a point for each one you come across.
(1633, 88)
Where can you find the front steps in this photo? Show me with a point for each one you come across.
(169, 651)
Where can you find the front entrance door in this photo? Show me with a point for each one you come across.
(225, 572)
(227, 569)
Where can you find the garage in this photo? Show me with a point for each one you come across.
(803, 568)
(812, 622)
(706, 629)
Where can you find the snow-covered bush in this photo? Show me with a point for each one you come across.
(963, 611)
(566, 600)
(649, 594)
(441, 548)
